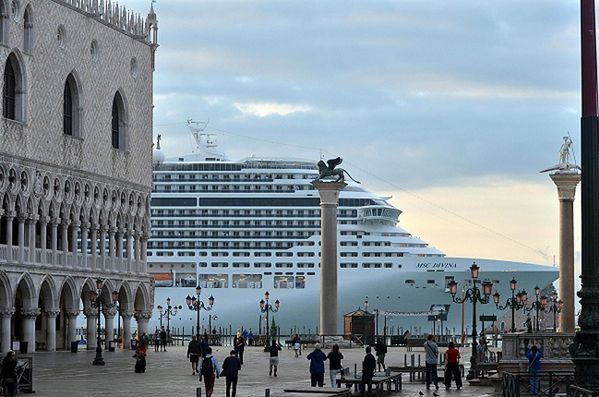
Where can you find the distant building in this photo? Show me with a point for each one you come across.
(75, 168)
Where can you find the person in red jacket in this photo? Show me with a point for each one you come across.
(452, 367)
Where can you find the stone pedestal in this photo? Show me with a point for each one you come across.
(566, 183)
(329, 200)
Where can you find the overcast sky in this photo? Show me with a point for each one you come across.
(451, 107)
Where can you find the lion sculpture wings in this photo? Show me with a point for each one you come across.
(328, 170)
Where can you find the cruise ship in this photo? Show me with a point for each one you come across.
(241, 228)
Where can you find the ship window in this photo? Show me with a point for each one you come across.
(283, 282)
(388, 265)
(430, 281)
(186, 280)
(410, 282)
(213, 281)
(300, 282)
(247, 281)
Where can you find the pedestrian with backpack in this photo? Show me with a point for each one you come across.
(432, 354)
(210, 371)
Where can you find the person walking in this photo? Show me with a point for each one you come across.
(297, 345)
(368, 367)
(335, 366)
(156, 340)
(273, 361)
(381, 349)
(239, 345)
(210, 371)
(534, 356)
(432, 354)
(163, 337)
(231, 368)
(204, 346)
(9, 374)
(452, 367)
(140, 360)
(317, 359)
(194, 350)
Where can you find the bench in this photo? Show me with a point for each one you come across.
(393, 382)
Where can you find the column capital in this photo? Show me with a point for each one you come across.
(32, 218)
(329, 191)
(44, 219)
(30, 312)
(127, 313)
(22, 217)
(112, 230)
(65, 222)
(52, 313)
(75, 224)
(84, 226)
(71, 313)
(7, 311)
(90, 313)
(141, 315)
(55, 221)
(109, 312)
(566, 184)
(10, 214)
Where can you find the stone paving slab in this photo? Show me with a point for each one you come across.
(65, 374)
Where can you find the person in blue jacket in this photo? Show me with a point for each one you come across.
(534, 356)
(317, 359)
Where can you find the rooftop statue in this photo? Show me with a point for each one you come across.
(564, 164)
(327, 170)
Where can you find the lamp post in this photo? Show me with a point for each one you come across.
(167, 312)
(196, 304)
(516, 302)
(555, 308)
(266, 307)
(118, 322)
(475, 296)
(98, 301)
(538, 305)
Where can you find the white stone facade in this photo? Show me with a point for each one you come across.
(73, 208)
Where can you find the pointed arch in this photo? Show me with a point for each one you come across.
(142, 298)
(119, 122)
(69, 295)
(6, 291)
(71, 106)
(26, 289)
(48, 294)
(3, 22)
(14, 89)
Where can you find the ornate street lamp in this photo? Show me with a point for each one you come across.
(266, 307)
(516, 302)
(167, 312)
(98, 301)
(474, 295)
(538, 305)
(555, 308)
(196, 304)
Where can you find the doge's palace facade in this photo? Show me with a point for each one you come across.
(75, 168)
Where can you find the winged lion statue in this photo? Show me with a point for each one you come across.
(328, 170)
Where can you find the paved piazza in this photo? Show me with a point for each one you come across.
(68, 374)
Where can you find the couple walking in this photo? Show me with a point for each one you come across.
(452, 366)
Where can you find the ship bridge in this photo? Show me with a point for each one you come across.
(378, 214)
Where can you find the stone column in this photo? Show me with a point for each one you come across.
(102, 247)
(29, 316)
(74, 227)
(71, 327)
(142, 322)
(119, 250)
(9, 218)
(329, 200)
(129, 244)
(92, 325)
(144, 253)
(43, 238)
(109, 325)
(566, 183)
(21, 237)
(127, 315)
(84, 229)
(5, 341)
(54, 237)
(65, 236)
(31, 221)
(111, 250)
(51, 329)
(94, 245)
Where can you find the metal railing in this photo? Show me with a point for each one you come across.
(577, 391)
(516, 384)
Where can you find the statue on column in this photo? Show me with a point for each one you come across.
(564, 165)
(327, 170)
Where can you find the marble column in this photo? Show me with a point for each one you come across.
(109, 324)
(128, 251)
(31, 222)
(71, 327)
(329, 200)
(9, 219)
(29, 316)
(6, 339)
(84, 229)
(111, 250)
(74, 228)
(21, 237)
(43, 238)
(119, 250)
(64, 241)
(566, 183)
(92, 325)
(142, 319)
(54, 238)
(51, 329)
(94, 246)
(127, 316)
(103, 231)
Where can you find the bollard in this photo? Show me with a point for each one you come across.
(267, 393)
(405, 360)
(419, 360)
(199, 392)
(412, 361)
(356, 371)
